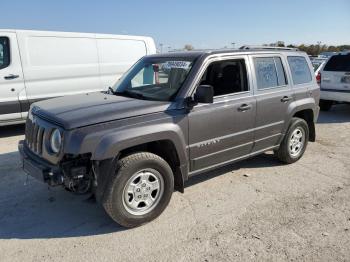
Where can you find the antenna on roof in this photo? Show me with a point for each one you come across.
(248, 47)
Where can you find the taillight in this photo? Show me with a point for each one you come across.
(318, 78)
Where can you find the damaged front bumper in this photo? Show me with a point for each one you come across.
(39, 168)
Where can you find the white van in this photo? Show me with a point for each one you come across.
(37, 65)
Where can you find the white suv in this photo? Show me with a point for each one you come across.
(334, 80)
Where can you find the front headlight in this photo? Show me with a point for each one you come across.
(56, 141)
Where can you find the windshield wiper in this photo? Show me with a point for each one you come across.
(111, 90)
(128, 93)
(134, 94)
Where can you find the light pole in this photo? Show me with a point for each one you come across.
(233, 45)
(161, 48)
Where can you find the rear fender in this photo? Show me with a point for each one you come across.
(300, 105)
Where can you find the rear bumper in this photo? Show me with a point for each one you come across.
(39, 168)
(336, 95)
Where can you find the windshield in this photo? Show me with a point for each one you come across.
(154, 78)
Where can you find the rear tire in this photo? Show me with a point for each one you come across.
(140, 190)
(294, 142)
(326, 105)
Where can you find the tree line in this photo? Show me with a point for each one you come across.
(314, 49)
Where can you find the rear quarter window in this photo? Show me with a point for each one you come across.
(300, 70)
(338, 63)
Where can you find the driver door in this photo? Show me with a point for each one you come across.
(223, 131)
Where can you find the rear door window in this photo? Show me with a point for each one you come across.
(338, 63)
(269, 72)
(4, 52)
(300, 70)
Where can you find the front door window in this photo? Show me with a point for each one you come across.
(227, 77)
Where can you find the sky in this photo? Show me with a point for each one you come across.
(203, 24)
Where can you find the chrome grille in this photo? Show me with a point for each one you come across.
(34, 136)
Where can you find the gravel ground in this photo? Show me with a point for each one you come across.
(254, 210)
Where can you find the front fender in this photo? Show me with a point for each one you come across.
(112, 143)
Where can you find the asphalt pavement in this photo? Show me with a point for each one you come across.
(257, 209)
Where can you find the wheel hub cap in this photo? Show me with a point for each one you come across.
(143, 191)
(296, 142)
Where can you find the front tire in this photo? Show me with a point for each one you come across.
(140, 190)
(295, 141)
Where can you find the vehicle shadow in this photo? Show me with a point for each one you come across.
(30, 210)
(14, 130)
(338, 114)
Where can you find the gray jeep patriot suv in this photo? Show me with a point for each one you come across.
(170, 117)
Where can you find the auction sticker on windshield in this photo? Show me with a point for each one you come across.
(177, 64)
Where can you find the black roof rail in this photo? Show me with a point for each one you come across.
(248, 47)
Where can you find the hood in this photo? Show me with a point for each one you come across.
(93, 108)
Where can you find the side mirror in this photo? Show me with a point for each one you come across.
(204, 94)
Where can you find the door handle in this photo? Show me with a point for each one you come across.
(10, 77)
(286, 99)
(244, 107)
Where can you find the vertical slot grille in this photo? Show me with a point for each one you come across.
(34, 136)
(40, 140)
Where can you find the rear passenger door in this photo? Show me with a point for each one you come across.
(273, 95)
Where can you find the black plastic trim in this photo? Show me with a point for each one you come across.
(10, 107)
(335, 90)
